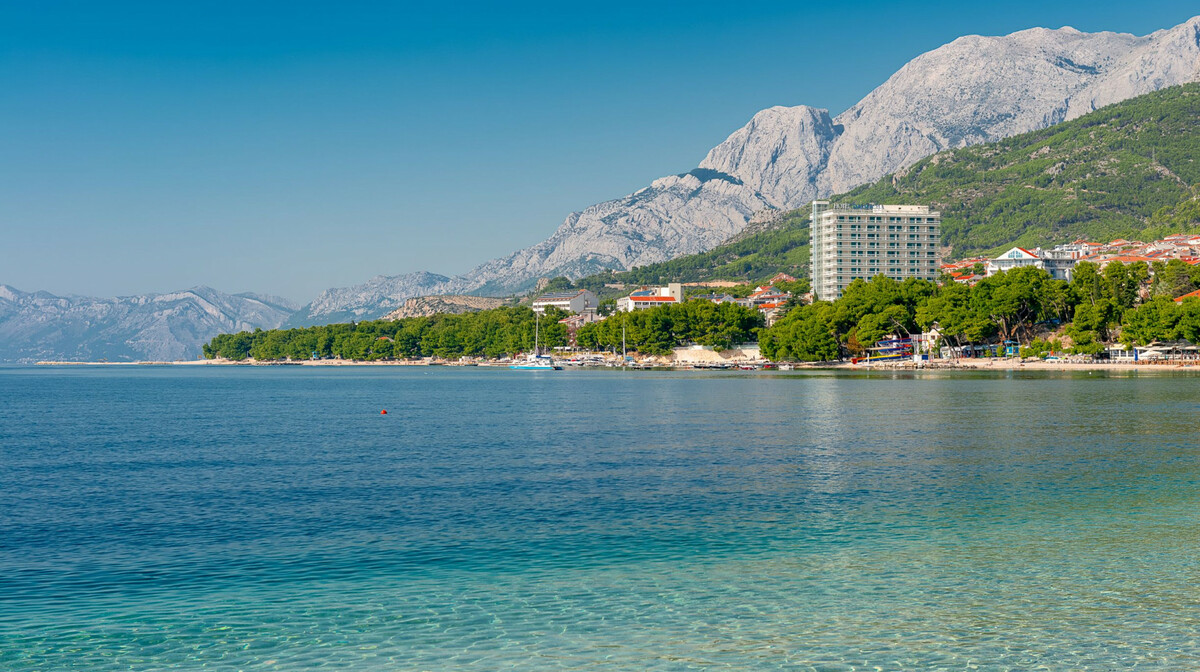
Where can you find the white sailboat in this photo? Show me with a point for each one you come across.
(535, 361)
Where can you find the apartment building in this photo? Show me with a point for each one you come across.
(862, 241)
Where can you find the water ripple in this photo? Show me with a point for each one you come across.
(160, 518)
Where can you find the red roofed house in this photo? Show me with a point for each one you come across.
(1014, 258)
(574, 322)
(649, 297)
(1129, 259)
(1189, 295)
(766, 294)
(773, 311)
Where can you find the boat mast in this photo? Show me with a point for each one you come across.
(623, 354)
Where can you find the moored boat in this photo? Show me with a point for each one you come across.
(535, 361)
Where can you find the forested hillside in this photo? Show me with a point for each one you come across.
(1129, 170)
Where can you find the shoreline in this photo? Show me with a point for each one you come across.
(983, 364)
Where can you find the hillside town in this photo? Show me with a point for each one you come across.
(926, 347)
(1060, 260)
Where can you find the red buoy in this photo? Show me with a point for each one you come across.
(383, 412)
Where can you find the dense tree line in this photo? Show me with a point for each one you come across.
(493, 333)
(486, 333)
(1162, 319)
(1126, 170)
(655, 331)
(1132, 304)
(1018, 306)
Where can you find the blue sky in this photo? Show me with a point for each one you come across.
(290, 147)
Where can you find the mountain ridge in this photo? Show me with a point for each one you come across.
(36, 326)
(1136, 158)
(971, 90)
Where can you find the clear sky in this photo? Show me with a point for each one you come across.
(289, 147)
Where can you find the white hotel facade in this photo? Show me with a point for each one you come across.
(862, 241)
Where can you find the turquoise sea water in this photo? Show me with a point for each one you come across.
(271, 518)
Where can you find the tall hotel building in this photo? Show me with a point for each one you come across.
(862, 241)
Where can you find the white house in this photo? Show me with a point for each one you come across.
(715, 298)
(1059, 262)
(649, 297)
(578, 301)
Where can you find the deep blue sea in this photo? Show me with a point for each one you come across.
(272, 519)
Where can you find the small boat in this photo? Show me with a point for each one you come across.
(535, 361)
(888, 350)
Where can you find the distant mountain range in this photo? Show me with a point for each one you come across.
(162, 327)
(973, 90)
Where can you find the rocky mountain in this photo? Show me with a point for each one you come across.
(163, 327)
(1127, 170)
(680, 214)
(424, 306)
(975, 89)
(368, 301)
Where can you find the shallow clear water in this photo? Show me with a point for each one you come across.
(271, 518)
